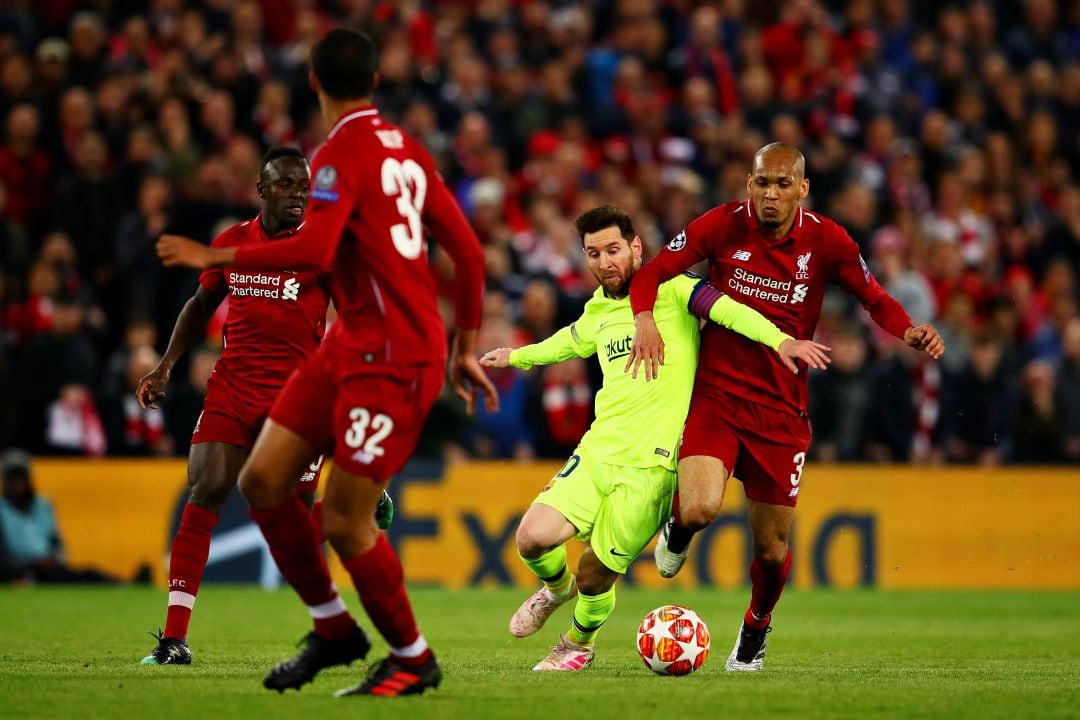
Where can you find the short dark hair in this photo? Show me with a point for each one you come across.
(277, 152)
(605, 216)
(344, 64)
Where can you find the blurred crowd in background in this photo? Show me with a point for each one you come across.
(945, 136)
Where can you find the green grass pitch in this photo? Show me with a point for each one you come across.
(74, 653)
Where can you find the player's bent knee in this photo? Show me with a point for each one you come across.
(349, 536)
(592, 582)
(697, 516)
(259, 488)
(771, 554)
(208, 499)
(532, 540)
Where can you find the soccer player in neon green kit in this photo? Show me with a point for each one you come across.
(616, 489)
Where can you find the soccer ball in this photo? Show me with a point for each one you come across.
(673, 640)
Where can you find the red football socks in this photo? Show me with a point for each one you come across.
(378, 578)
(187, 560)
(290, 533)
(316, 519)
(767, 584)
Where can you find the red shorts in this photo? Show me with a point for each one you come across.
(763, 447)
(228, 419)
(369, 413)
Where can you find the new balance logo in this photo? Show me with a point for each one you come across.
(741, 255)
(291, 289)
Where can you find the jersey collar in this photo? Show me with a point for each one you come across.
(287, 232)
(795, 233)
(356, 112)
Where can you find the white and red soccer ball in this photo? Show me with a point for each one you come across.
(673, 640)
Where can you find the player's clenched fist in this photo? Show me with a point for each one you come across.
(497, 358)
(810, 352)
(925, 337)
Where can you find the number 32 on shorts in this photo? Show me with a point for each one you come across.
(796, 477)
(367, 432)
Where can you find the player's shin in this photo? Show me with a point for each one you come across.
(590, 613)
(767, 583)
(379, 580)
(187, 561)
(551, 568)
(290, 533)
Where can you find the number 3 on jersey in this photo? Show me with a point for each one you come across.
(357, 436)
(406, 181)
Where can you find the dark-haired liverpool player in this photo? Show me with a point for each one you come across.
(748, 416)
(369, 386)
(275, 319)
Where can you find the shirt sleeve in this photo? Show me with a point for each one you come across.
(854, 277)
(706, 302)
(570, 341)
(685, 250)
(316, 242)
(450, 229)
(213, 279)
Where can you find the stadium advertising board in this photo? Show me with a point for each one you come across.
(889, 527)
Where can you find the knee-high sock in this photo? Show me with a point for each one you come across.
(678, 535)
(590, 613)
(551, 568)
(290, 533)
(187, 560)
(316, 520)
(378, 578)
(767, 584)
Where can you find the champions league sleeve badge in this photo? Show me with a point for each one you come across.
(325, 180)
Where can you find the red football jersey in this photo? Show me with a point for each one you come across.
(782, 279)
(276, 318)
(374, 190)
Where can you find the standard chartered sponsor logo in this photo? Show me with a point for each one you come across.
(764, 287)
(262, 285)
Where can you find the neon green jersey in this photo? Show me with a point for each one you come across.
(639, 423)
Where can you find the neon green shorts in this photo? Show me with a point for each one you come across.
(617, 509)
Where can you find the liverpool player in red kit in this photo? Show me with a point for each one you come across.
(275, 319)
(367, 389)
(748, 415)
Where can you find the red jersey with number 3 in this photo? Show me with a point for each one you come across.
(374, 190)
(782, 279)
(275, 318)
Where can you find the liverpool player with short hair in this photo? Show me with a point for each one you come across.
(615, 492)
(275, 319)
(748, 416)
(369, 386)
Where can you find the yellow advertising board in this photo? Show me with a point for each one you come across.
(876, 526)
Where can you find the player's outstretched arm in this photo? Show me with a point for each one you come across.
(925, 337)
(190, 325)
(180, 251)
(467, 375)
